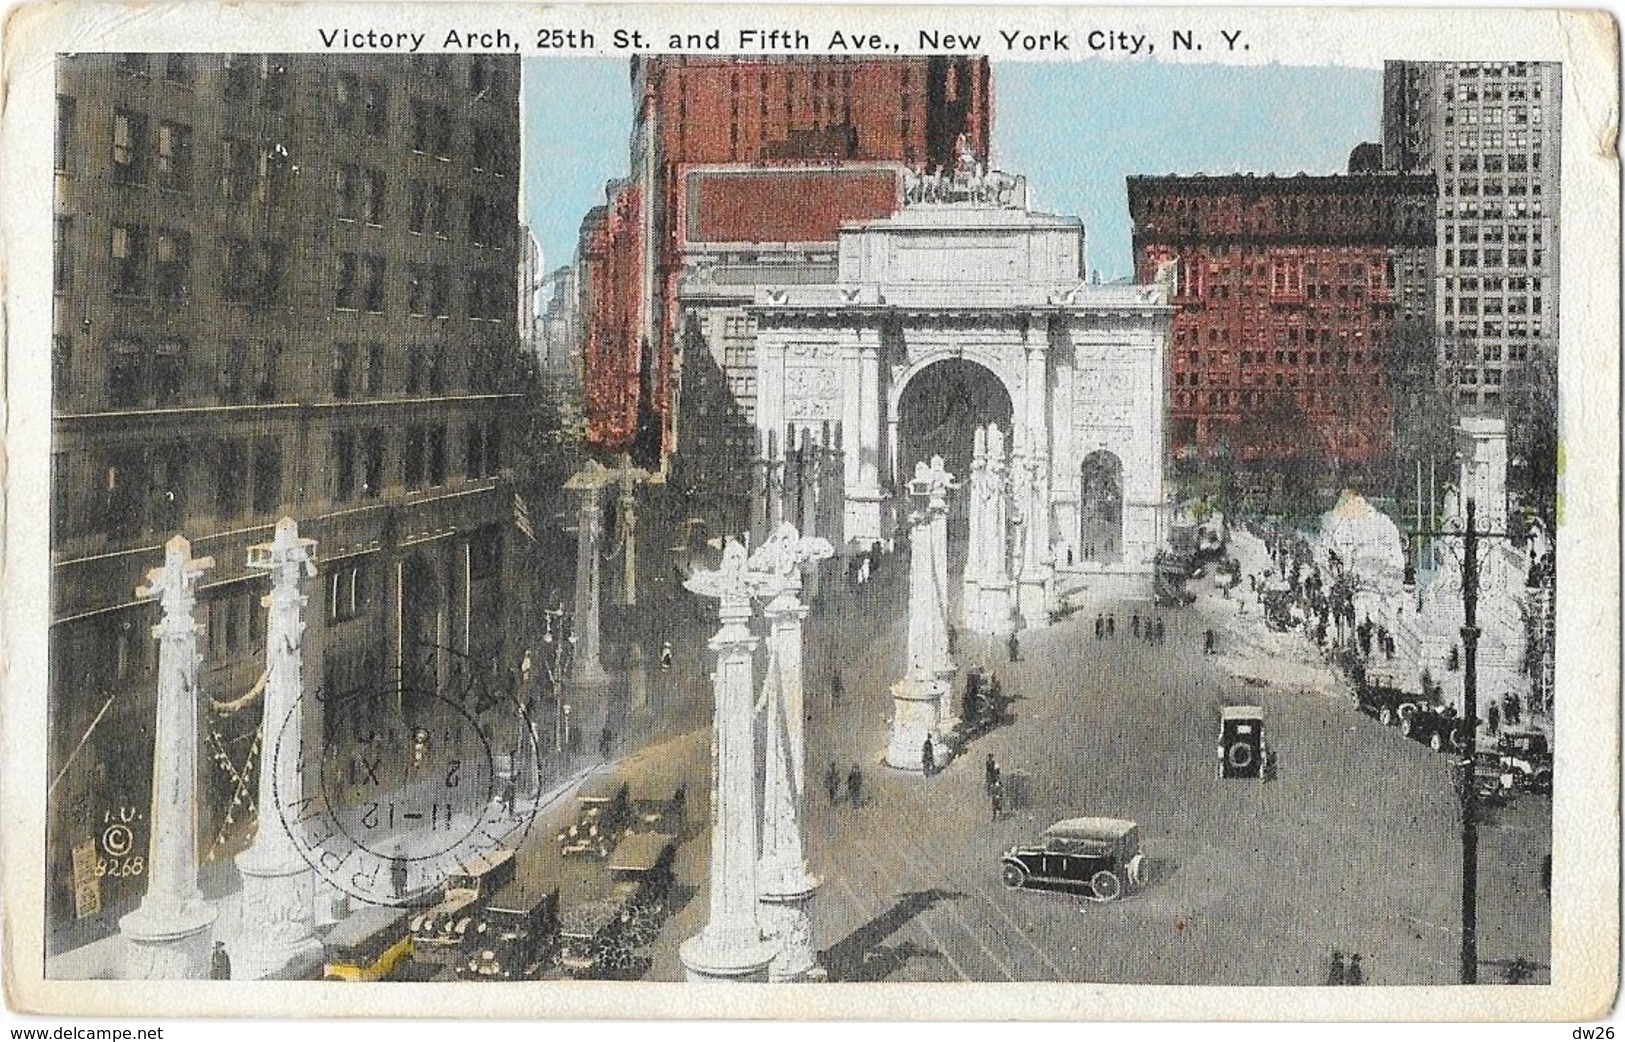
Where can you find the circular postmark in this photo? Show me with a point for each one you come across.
(389, 788)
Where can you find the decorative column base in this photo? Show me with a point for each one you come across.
(916, 708)
(1034, 600)
(715, 957)
(863, 518)
(278, 918)
(787, 893)
(992, 612)
(168, 941)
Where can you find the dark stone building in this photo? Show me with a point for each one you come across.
(285, 285)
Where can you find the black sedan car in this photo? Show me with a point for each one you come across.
(1099, 855)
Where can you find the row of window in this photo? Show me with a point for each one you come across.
(1493, 283)
(1493, 305)
(359, 286)
(138, 491)
(1283, 357)
(1489, 186)
(143, 373)
(1493, 139)
(1493, 233)
(1493, 92)
(1474, 330)
(1308, 399)
(1472, 209)
(1494, 163)
(1494, 258)
(1493, 115)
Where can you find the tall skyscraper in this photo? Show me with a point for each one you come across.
(1491, 133)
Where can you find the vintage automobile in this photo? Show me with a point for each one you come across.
(1438, 727)
(1383, 702)
(514, 936)
(1099, 855)
(1493, 785)
(984, 705)
(661, 815)
(368, 945)
(605, 811)
(437, 931)
(608, 924)
(1527, 755)
(1242, 750)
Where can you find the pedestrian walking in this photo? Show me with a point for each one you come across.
(1100, 626)
(1161, 632)
(836, 688)
(1014, 645)
(953, 639)
(854, 785)
(990, 773)
(509, 794)
(832, 783)
(1337, 974)
(606, 741)
(1356, 974)
(1493, 717)
(1209, 642)
(1514, 708)
(1134, 624)
(928, 757)
(1111, 626)
(220, 962)
(995, 797)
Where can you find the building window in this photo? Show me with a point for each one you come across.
(62, 253)
(173, 255)
(412, 457)
(237, 161)
(437, 455)
(267, 475)
(346, 100)
(474, 449)
(437, 370)
(346, 293)
(372, 373)
(417, 207)
(343, 466)
(126, 385)
(61, 363)
(174, 157)
(343, 370)
(129, 147)
(231, 478)
(377, 109)
(440, 291)
(274, 166)
(273, 81)
(373, 284)
(66, 112)
(372, 197)
(440, 211)
(417, 289)
(347, 591)
(169, 372)
(373, 464)
(129, 256)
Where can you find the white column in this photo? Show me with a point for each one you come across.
(976, 549)
(995, 613)
(278, 884)
(586, 669)
(786, 883)
(863, 498)
(168, 934)
(1035, 566)
(919, 698)
(730, 947)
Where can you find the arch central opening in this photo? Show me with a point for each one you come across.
(939, 412)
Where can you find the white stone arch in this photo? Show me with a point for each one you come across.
(1009, 376)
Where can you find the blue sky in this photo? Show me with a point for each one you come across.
(1075, 129)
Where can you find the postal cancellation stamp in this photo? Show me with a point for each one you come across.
(786, 501)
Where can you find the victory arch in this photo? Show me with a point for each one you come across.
(965, 273)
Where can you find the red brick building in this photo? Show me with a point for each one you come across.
(754, 114)
(1291, 291)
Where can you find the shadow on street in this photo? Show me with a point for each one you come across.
(861, 955)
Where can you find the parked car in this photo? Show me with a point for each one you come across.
(609, 923)
(1100, 855)
(605, 812)
(514, 937)
(1438, 727)
(1243, 753)
(1527, 755)
(1382, 702)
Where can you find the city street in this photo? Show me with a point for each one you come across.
(1354, 847)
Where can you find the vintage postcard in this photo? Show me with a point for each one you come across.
(970, 513)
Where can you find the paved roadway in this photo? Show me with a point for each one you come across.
(1354, 846)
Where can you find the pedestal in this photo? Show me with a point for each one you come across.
(708, 958)
(993, 614)
(863, 518)
(168, 940)
(916, 707)
(278, 903)
(1034, 598)
(787, 892)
